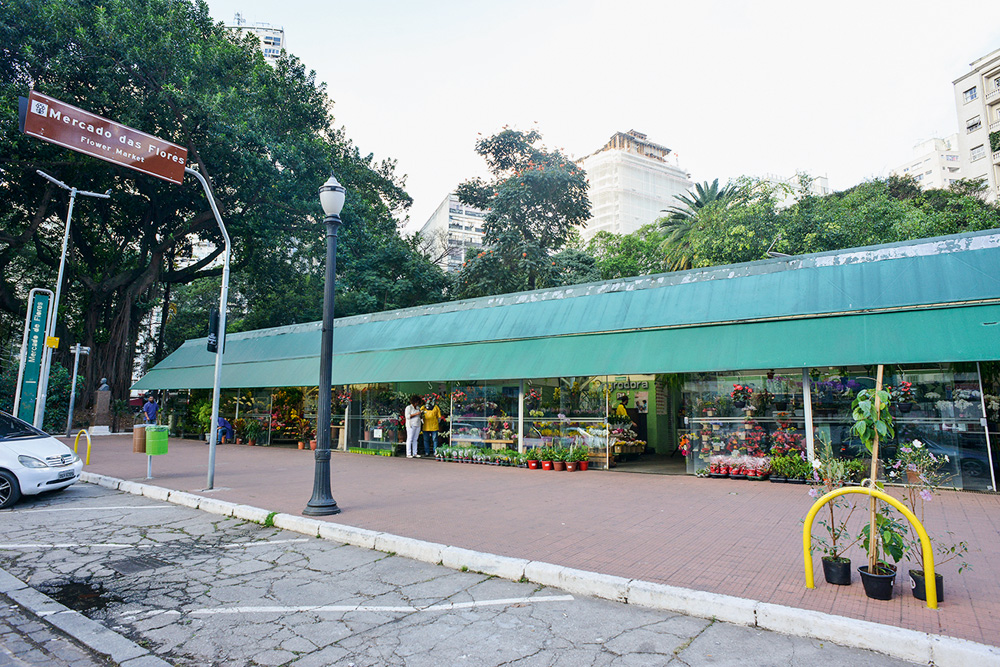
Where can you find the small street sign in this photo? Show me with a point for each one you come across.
(65, 125)
(38, 316)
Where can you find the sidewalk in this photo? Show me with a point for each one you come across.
(724, 536)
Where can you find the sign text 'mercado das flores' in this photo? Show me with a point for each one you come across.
(65, 125)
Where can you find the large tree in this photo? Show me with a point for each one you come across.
(262, 135)
(535, 199)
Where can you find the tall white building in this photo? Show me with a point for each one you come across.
(456, 230)
(977, 100)
(631, 180)
(789, 189)
(935, 165)
(272, 37)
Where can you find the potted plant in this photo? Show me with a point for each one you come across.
(370, 416)
(559, 458)
(579, 454)
(545, 454)
(834, 474)
(240, 427)
(254, 431)
(779, 469)
(883, 534)
(531, 458)
(925, 471)
(741, 395)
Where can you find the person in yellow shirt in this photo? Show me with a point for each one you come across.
(431, 414)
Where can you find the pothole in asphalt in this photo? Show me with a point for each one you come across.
(82, 595)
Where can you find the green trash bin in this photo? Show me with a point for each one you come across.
(156, 440)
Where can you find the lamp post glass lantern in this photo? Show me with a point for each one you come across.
(331, 197)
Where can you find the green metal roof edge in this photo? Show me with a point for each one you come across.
(958, 334)
(971, 241)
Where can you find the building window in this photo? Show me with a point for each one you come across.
(951, 158)
(977, 153)
(996, 83)
(973, 124)
(970, 94)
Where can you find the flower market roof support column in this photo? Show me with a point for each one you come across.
(520, 416)
(220, 343)
(807, 406)
(986, 427)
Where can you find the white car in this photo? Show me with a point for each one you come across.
(31, 461)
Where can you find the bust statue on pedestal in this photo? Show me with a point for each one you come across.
(102, 410)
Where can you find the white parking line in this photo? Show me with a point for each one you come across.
(376, 608)
(81, 509)
(114, 545)
(265, 543)
(344, 609)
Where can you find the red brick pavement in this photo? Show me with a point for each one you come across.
(726, 536)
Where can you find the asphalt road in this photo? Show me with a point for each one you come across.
(199, 589)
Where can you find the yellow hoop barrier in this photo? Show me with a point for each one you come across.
(77, 442)
(925, 541)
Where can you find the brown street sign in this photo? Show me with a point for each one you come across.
(71, 127)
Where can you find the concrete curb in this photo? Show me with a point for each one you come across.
(90, 633)
(912, 645)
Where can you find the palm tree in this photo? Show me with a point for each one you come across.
(682, 222)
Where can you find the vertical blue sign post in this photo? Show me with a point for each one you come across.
(32, 352)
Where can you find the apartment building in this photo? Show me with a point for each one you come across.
(789, 189)
(272, 37)
(632, 179)
(977, 100)
(935, 164)
(455, 230)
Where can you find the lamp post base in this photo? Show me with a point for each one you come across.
(321, 508)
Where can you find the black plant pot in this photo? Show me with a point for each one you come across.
(837, 571)
(918, 583)
(777, 480)
(780, 406)
(739, 405)
(878, 586)
(796, 481)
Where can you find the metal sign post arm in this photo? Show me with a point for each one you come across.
(223, 303)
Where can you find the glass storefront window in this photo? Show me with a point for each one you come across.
(566, 412)
(375, 416)
(939, 404)
(748, 413)
(484, 415)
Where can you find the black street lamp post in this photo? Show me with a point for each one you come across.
(331, 196)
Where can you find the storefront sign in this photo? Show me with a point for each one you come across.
(65, 125)
(630, 385)
(38, 316)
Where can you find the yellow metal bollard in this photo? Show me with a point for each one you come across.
(77, 442)
(925, 540)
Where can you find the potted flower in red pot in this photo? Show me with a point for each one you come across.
(559, 455)
(545, 454)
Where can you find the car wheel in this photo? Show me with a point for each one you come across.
(10, 491)
(973, 468)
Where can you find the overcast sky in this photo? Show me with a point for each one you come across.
(838, 89)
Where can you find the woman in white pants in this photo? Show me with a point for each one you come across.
(413, 421)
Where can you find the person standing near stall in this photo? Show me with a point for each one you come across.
(411, 415)
(431, 425)
(150, 409)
